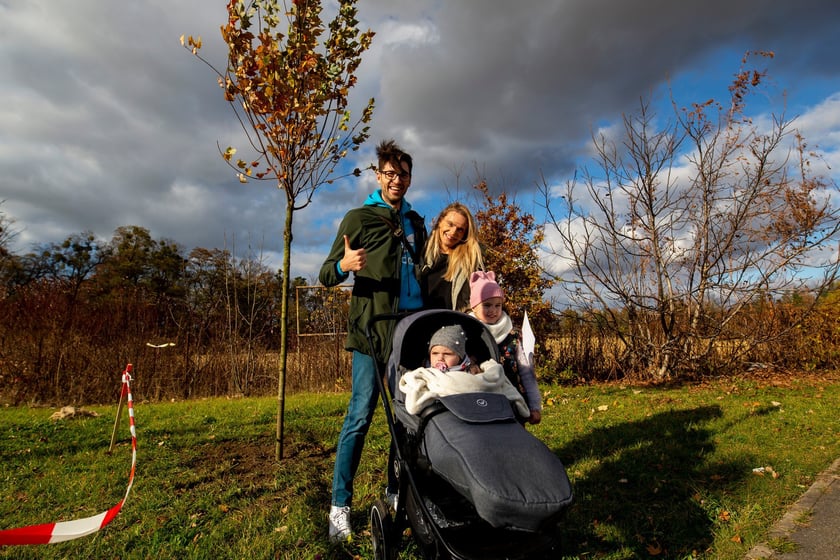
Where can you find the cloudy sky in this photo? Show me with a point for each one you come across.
(106, 121)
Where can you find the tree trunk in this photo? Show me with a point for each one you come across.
(284, 328)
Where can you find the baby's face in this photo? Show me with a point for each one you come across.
(443, 355)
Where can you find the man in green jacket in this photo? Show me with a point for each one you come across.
(380, 242)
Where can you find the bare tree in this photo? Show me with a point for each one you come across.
(290, 93)
(249, 304)
(688, 233)
(7, 258)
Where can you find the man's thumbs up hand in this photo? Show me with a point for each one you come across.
(354, 259)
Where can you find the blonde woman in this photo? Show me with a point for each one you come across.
(452, 253)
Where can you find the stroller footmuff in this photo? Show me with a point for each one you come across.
(512, 479)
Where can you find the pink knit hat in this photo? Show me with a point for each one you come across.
(483, 286)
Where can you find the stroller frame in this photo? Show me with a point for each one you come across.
(468, 537)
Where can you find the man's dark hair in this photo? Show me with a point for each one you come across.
(389, 152)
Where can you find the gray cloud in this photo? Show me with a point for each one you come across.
(106, 121)
(516, 87)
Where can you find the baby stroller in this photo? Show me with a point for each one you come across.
(473, 482)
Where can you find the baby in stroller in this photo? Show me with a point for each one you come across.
(473, 482)
(452, 371)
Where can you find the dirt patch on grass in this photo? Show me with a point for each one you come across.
(253, 461)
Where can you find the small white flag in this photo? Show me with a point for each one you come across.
(528, 340)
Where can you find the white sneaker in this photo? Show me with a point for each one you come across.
(392, 498)
(340, 524)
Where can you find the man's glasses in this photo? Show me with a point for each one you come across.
(391, 175)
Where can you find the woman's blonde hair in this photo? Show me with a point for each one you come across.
(466, 257)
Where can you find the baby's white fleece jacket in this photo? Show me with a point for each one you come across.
(423, 385)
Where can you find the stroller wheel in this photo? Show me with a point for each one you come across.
(381, 531)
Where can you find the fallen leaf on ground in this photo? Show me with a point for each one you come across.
(654, 549)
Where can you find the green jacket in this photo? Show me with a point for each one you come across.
(376, 288)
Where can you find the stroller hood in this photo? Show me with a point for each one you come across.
(413, 333)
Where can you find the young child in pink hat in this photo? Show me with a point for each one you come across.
(486, 301)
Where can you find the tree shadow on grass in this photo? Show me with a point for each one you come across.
(640, 499)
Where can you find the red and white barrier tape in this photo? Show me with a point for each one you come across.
(67, 530)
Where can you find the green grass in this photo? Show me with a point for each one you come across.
(657, 472)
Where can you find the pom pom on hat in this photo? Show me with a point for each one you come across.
(451, 336)
(483, 286)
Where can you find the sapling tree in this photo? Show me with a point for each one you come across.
(289, 90)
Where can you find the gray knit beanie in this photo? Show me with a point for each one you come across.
(451, 336)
